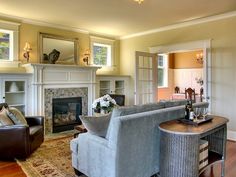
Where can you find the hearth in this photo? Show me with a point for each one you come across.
(65, 113)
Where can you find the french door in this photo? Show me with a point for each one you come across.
(145, 77)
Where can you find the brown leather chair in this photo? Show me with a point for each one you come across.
(190, 94)
(19, 141)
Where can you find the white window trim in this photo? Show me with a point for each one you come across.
(165, 67)
(110, 42)
(13, 28)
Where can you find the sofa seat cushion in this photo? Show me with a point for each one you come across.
(35, 131)
(96, 125)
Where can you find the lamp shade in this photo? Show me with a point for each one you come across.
(27, 47)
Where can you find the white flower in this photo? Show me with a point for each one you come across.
(105, 103)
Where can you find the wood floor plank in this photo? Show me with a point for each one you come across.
(12, 169)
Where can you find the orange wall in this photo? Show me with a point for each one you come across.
(186, 60)
(181, 60)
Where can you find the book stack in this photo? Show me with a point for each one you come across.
(203, 154)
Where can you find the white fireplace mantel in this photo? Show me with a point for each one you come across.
(59, 76)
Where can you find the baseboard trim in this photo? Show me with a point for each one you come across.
(231, 135)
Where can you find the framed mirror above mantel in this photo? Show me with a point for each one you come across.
(54, 49)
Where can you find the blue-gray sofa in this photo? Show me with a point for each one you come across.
(132, 145)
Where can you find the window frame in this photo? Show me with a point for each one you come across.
(105, 42)
(166, 68)
(13, 29)
(11, 45)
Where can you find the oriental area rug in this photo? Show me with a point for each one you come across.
(51, 159)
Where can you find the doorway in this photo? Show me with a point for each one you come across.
(204, 45)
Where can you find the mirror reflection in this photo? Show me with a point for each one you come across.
(58, 50)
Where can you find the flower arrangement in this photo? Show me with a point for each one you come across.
(104, 103)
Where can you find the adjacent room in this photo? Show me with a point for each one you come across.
(128, 88)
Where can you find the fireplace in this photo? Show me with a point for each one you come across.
(65, 113)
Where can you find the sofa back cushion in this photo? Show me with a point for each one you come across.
(4, 119)
(127, 110)
(172, 103)
(16, 116)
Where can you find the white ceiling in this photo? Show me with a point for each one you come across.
(115, 17)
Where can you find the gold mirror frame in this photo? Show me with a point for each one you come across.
(43, 36)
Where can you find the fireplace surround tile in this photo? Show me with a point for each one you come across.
(50, 93)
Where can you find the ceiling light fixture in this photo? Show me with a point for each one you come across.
(139, 1)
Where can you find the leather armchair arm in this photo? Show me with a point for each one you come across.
(35, 120)
(14, 141)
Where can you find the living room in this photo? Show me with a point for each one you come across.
(37, 81)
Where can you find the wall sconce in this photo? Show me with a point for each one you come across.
(27, 50)
(86, 56)
(199, 58)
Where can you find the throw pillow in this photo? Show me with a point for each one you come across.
(96, 125)
(4, 119)
(16, 116)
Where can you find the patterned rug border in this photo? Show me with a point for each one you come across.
(27, 166)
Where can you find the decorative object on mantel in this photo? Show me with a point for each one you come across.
(52, 57)
(199, 58)
(104, 104)
(27, 50)
(86, 56)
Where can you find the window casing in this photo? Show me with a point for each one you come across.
(6, 45)
(162, 70)
(102, 51)
(9, 41)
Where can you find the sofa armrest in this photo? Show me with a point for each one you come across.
(14, 141)
(35, 120)
(93, 151)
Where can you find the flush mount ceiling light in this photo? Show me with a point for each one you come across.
(139, 1)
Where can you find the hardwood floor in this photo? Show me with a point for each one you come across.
(11, 169)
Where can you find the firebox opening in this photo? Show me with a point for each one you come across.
(65, 113)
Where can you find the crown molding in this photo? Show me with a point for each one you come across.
(181, 25)
(42, 23)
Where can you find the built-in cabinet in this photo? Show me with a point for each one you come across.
(14, 90)
(113, 85)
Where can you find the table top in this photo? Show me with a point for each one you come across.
(177, 127)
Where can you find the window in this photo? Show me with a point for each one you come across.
(6, 49)
(102, 51)
(8, 42)
(101, 54)
(162, 70)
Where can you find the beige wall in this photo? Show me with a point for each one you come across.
(223, 37)
(30, 33)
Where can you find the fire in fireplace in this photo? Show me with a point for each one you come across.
(65, 113)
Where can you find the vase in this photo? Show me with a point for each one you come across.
(13, 87)
(104, 111)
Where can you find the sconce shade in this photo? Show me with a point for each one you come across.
(27, 47)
